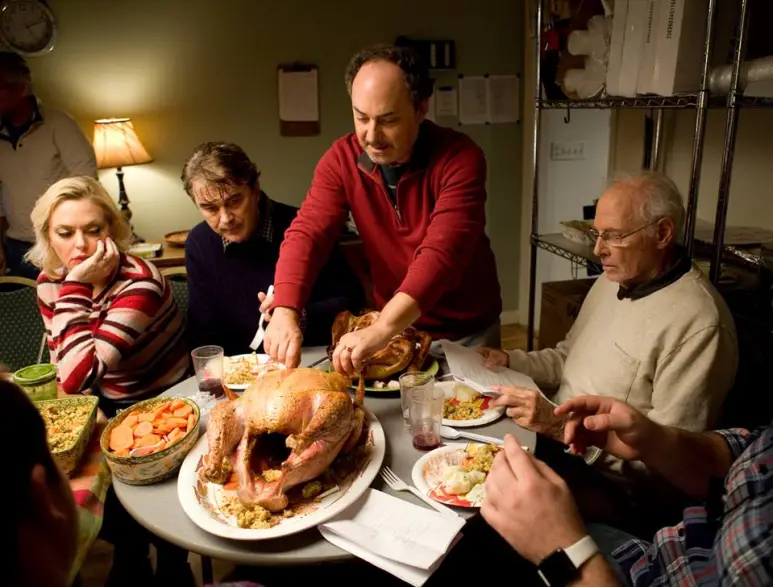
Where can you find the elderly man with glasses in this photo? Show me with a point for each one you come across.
(652, 332)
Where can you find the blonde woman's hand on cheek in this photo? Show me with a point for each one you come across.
(99, 266)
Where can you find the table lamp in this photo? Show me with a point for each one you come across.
(116, 145)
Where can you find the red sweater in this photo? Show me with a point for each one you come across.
(431, 246)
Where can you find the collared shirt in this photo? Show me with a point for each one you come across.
(12, 133)
(681, 266)
(718, 546)
(31, 160)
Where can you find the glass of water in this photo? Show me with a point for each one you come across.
(410, 383)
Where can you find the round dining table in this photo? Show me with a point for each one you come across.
(158, 509)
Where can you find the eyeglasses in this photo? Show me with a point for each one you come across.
(615, 239)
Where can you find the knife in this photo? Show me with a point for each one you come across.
(261, 332)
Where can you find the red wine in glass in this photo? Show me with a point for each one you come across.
(426, 441)
(213, 386)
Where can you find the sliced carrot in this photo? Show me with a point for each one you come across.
(122, 453)
(191, 422)
(183, 412)
(130, 420)
(162, 427)
(147, 440)
(179, 422)
(158, 411)
(176, 404)
(143, 429)
(121, 438)
(147, 417)
(175, 435)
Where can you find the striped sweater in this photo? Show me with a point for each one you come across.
(126, 342)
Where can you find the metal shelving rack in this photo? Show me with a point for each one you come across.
(735, 101)
(583, 254)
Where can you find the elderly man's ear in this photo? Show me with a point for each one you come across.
(666, 233)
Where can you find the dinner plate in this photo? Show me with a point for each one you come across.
(427, 472)
(199, 499)
(262, 360)
(491, 413)
(432, 368)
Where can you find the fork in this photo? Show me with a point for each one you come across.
(399, 485)
(261, 330)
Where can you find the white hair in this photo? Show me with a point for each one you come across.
(660, 199)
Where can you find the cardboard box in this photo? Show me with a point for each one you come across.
(561, 303)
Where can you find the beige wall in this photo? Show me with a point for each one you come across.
(751, 189)
(197, 70)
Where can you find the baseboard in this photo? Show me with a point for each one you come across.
(511, 317)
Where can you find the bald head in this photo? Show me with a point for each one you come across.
(380, 87)
(640, 220)
(652, 196)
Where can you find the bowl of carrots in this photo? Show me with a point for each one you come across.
(148, 442)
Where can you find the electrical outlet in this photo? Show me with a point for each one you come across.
(567, 151)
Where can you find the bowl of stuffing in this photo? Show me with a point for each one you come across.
(70, 422)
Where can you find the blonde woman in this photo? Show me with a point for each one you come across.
(113, 324)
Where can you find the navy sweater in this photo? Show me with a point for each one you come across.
(223, 285)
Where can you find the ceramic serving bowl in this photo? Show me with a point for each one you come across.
(152, 468)
(69, 457)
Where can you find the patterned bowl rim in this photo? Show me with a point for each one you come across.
(116, 420)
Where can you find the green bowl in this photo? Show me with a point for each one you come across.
(68, 457)
(155, 467)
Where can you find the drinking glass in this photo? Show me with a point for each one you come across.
(425, 415)
(410, 383)
(208, 365)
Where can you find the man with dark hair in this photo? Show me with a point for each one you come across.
(417, 193)
(38, 147)
(230, 257)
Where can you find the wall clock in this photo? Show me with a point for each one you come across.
(28, 26)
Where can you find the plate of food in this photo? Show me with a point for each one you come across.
(455, 474)
(239, 371)
(407, 351)
(464, 406)
(277, 490)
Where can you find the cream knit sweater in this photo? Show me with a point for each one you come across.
(672, 354)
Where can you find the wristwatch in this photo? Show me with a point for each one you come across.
(562, 567)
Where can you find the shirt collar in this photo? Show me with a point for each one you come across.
(36, 117)
(265, 229)
(679, 267)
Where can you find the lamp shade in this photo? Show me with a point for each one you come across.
(116, 144)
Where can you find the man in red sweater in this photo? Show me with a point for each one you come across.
(417, 193)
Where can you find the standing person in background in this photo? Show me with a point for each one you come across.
(39, 146)
(417, 192)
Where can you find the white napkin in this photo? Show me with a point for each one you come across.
(404, 539)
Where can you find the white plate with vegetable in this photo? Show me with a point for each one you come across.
(239, 371)
(464, 407)
(455, 474)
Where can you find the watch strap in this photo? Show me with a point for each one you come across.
(581, 551)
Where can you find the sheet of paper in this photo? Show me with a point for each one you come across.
(473, 100)
(298, 96)
(503, 98)
(446, 102)
(396, 530)
(466, 364)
